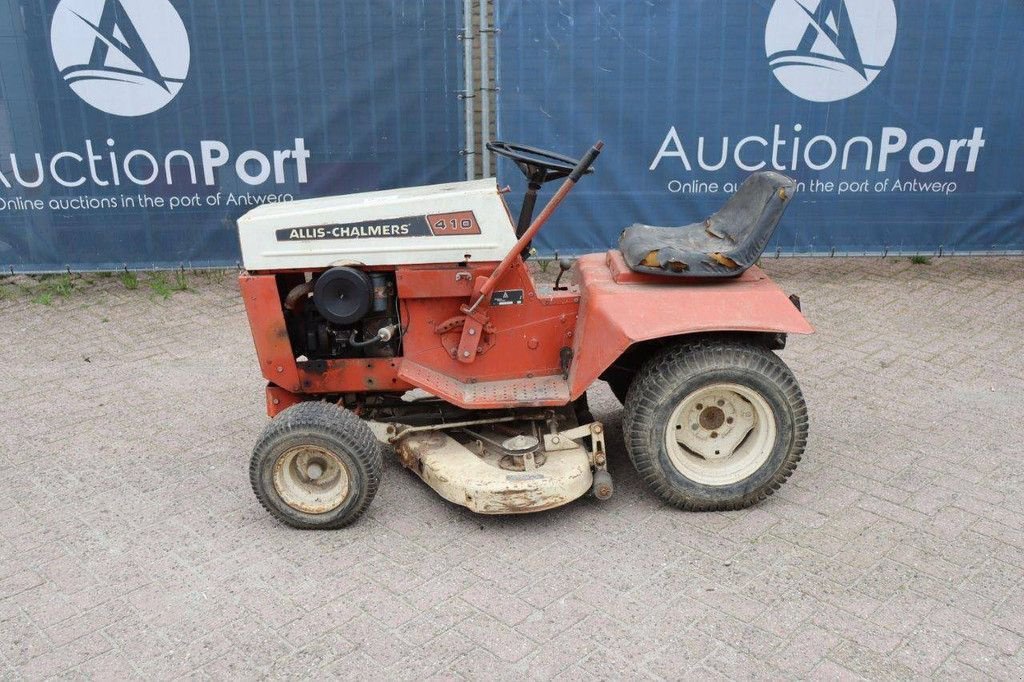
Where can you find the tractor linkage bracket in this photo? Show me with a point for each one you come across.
(472, 333)
(396, 432)
(553, 442)
(566, 440)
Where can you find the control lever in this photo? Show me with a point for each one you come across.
(564, 265)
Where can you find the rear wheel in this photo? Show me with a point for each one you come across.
(715, 425)
(316, 466)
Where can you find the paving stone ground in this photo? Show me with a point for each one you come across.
(132, 546)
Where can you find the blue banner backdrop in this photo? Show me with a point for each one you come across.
(134, 132)
(900, 119)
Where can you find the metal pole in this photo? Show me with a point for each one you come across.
(468, 95)
(485, 90)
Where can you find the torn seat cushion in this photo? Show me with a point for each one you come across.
(724, 245)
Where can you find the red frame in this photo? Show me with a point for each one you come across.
(610, 309)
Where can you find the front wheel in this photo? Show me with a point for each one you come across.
(715, 425)
(316, 466)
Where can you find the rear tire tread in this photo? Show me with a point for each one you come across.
(658, 376)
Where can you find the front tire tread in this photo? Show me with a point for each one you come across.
(347, 435)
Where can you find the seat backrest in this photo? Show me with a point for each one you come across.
(750, 216)
(724, 245)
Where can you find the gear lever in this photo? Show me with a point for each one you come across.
(564, 265)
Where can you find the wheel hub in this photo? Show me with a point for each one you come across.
(711, 418)
(721, 433)
(311, 479)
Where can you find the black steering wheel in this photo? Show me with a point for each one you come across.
(538, 165)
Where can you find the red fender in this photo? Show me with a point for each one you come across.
(619, 308)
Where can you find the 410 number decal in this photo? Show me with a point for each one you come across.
(448, 224)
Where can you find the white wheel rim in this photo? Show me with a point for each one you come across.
(311, 479)
(721, 434)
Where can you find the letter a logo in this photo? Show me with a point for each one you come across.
(124, 57)
(828, 50)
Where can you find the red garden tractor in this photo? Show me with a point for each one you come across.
(407, 321)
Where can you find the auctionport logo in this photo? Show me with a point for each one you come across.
(829, 50)
(123, 57)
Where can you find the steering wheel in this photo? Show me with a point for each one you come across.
(538, 165)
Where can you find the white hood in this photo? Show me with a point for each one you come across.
(416, 225)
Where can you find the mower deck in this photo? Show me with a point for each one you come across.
(477, 481)
(507, 462)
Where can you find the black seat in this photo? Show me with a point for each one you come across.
(724, 245)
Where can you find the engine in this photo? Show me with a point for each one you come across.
(343, 313)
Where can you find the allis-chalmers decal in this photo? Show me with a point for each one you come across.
(436, 225)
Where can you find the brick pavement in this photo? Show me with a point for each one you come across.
(131, 545)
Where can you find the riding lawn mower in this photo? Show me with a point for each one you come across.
(408, 321)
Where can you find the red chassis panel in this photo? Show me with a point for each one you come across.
(522, 342)
(528, 331)
(621, 307)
